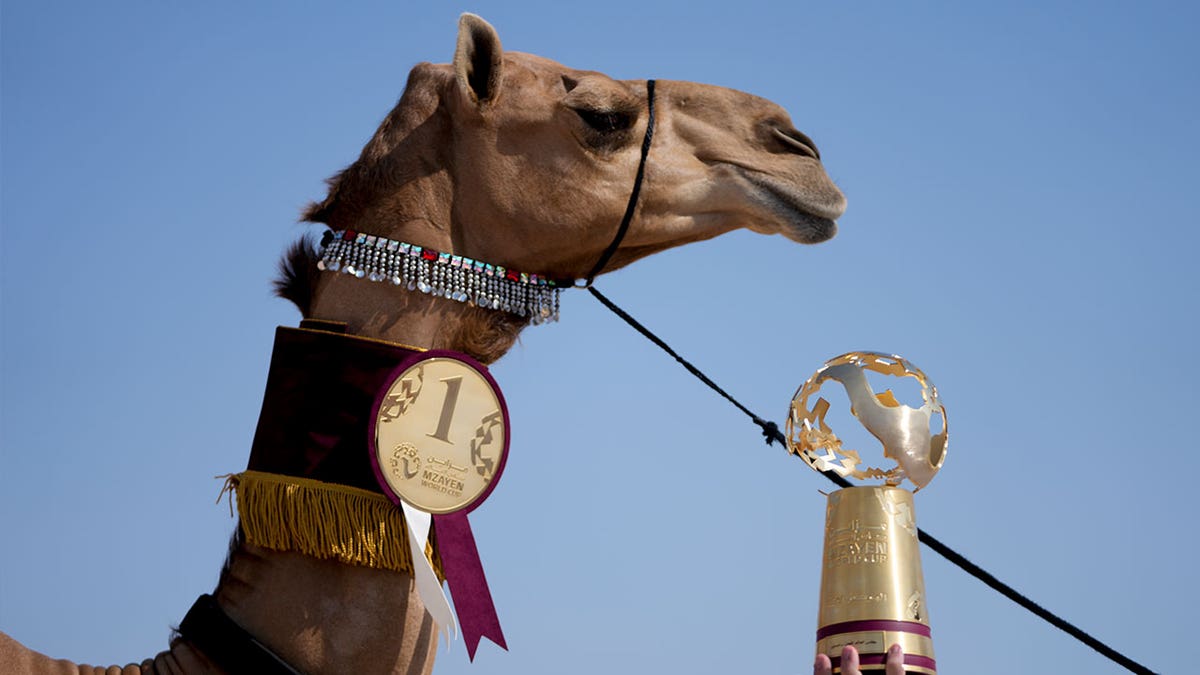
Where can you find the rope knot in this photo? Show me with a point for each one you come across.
(770, 431)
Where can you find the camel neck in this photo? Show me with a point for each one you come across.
(385, 311)
(321, 616)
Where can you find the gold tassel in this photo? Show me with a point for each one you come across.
(324, 520)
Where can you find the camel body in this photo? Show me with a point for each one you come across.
(516, 160)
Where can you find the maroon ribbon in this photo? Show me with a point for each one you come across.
(468, 585)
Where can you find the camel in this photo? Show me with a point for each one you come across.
(516, 160)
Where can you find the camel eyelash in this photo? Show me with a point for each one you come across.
(606, 121)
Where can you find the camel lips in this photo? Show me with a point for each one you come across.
(444, 275)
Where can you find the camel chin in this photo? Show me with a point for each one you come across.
(805, 228)
(804, 211)
(795, 212)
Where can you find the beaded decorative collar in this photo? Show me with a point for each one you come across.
(440, 274)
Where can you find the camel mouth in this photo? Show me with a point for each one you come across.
(805, 222)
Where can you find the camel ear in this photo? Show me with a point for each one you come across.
(477, 59)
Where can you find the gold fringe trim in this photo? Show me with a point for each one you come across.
(323, 520)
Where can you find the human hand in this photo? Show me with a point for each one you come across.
(895, 662)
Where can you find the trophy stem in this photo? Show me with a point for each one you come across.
(872, 588)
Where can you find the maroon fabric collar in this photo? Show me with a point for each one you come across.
(317, 405)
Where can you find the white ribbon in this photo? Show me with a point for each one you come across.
(428, 587)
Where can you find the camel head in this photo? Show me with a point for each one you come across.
(517, 160)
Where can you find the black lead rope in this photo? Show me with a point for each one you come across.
(772, 433)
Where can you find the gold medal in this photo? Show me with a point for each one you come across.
(440, 434)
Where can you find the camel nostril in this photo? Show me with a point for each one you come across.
(798, 142)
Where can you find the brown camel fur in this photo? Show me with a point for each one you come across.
(519, 161)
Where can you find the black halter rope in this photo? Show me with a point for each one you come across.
(634, 195)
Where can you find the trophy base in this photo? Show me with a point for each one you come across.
(872, 590)
(872, 640)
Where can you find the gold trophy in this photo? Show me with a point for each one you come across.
(872, 590)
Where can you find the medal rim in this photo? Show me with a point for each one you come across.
(373, 439)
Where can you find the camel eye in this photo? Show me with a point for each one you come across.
(605, 121)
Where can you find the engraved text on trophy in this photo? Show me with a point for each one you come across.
(857, 544)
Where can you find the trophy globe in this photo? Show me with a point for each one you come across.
(905, 433)
(872, 587)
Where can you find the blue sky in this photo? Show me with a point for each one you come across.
(1022, 225)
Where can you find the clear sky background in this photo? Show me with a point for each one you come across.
(1023, 225)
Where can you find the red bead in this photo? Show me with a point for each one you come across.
(512, 275)
(429, 255)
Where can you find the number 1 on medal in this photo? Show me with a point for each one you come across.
(443, 428)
